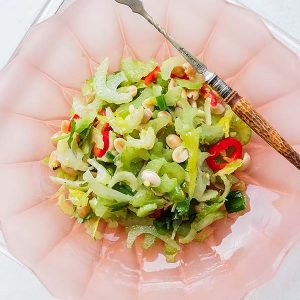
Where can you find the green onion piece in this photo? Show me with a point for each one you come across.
(183, 207)
(109, 155)
(161, 102)
(123, 188)
(163, 83)
(181, 210)
(73, 127)
(235, 201)
(110, 170)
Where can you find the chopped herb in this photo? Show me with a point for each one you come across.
(235, 201)
(161, 102)
(85, 134)
(183, 207)
(163, 225)
(181, 210)
(109, 155)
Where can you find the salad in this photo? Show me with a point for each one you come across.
(151, 148)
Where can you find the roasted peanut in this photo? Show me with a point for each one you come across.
(150, 178)
(119, 144)
(180, 154)
(165, 114)
(83, 211)
(147, 115)
(149, 103)
(132, 90)
(173, 141)
(53, 162)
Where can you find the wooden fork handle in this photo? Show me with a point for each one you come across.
(259, 125)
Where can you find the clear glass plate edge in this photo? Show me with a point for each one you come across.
(281, 35)
(53, 7)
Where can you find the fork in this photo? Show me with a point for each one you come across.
(239, 104)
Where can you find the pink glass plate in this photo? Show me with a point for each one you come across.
(35, 94)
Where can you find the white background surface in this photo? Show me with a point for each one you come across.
(17, 283)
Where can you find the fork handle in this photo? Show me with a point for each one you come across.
(260, 126)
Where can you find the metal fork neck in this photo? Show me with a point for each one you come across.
(220, 86)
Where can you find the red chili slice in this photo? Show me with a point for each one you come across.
(106, 127)
(105, 137)
(220, 149)
(75, 117)
(214, 100)
(102, 112)
(151, 76)
(204, 89)
(208, 92)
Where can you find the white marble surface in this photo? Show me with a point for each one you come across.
(16, 282)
